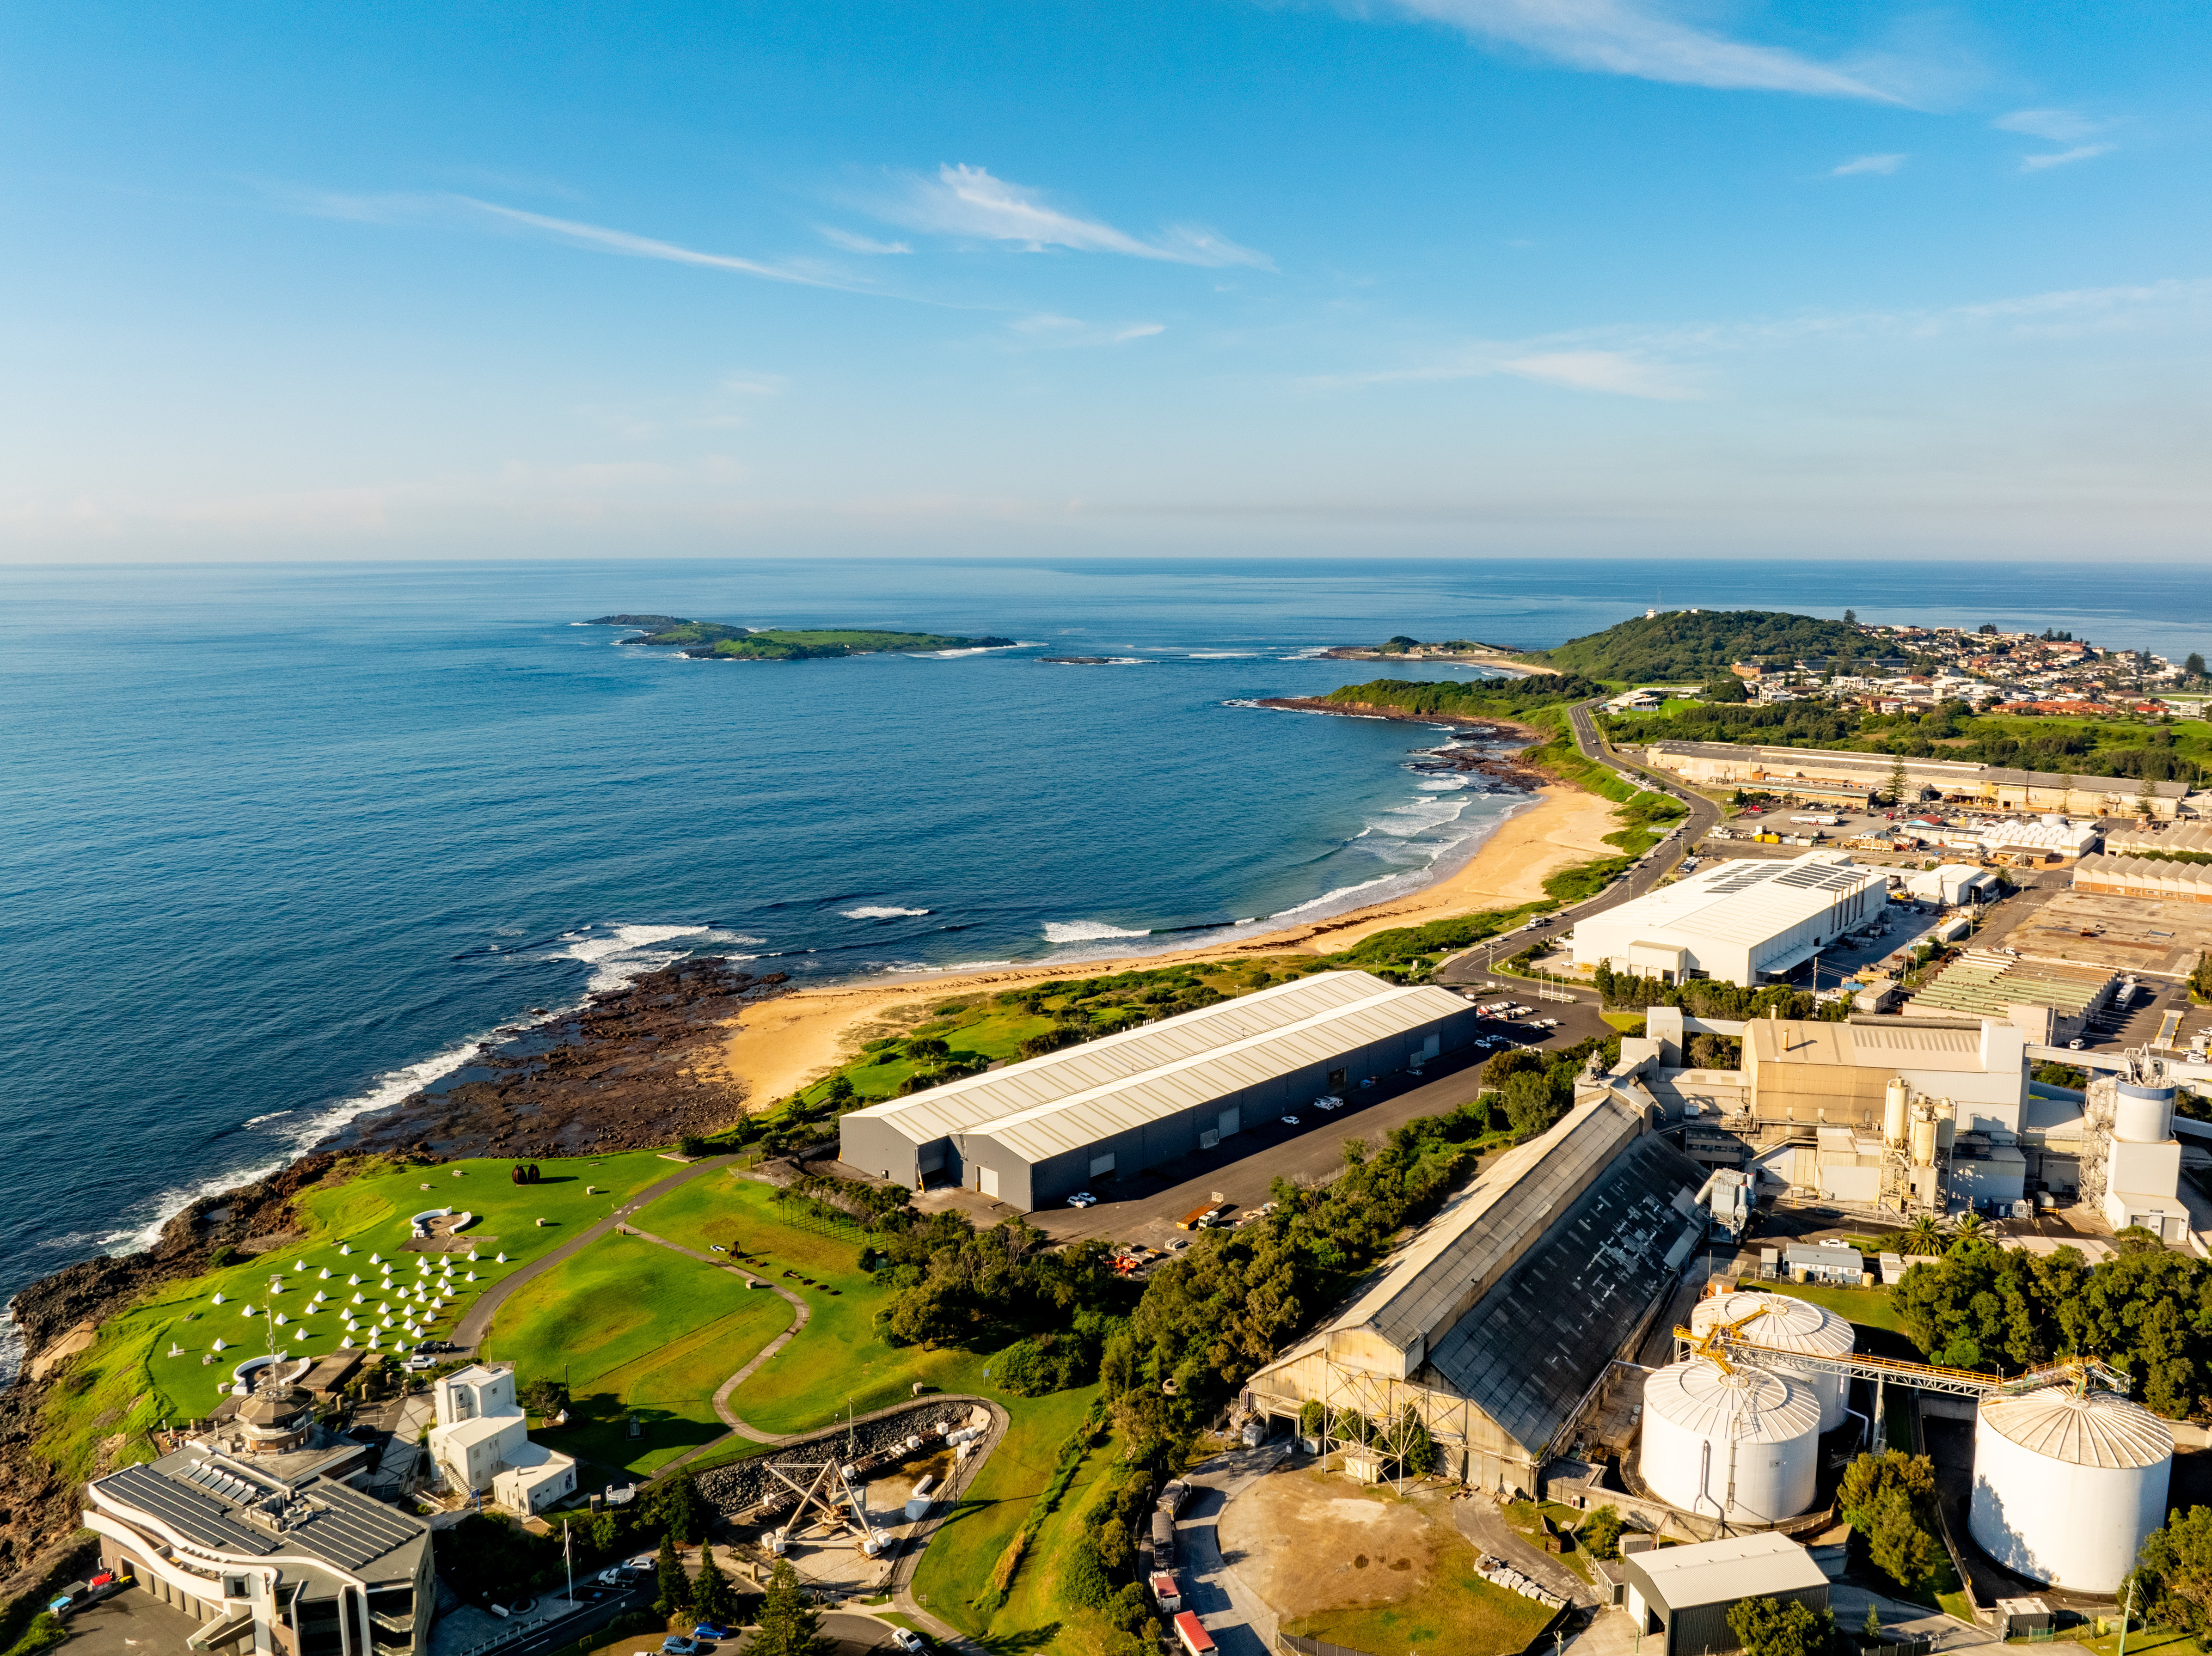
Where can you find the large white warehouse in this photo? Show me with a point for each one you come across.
(1740, 921)
(1037, 1131)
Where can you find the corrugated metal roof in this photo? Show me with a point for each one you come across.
(200, 1499)
(1721, 1571)
(1745, 902)
(1490, 1223)
(2099, 1429)
(1532, 1345)
(1043, 1105)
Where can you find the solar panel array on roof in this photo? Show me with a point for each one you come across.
(348, 1529)
(197, 1516)
(1532, 1346)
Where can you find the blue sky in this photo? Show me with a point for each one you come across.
(1459, 276)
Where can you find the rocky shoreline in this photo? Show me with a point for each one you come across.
(1502, 769)
(631, 1068)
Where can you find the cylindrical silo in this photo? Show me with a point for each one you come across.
(1896, 1100)
(1787, 1324)
(1740, 1442)
(1924, 1141)
(2142, 1115)
(2067, 1485)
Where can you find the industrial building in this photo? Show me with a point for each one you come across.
(1798, 772)
(1819, 1074)
(2068, 1482)
(1495, 1319)
(2145, 876)
(1682, 1595)
(2050, 838)
(268, 1564)
(1036, 1132)
(2179, 839)
(1739, 921)
(2050, 1001)
(2131, 1159)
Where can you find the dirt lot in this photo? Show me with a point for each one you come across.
(1367, 1568)
(2128, 934)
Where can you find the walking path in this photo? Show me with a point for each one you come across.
(801, 1312)
(476, 1322)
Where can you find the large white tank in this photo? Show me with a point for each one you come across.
(1896, 1101)
(1743, 1443)
(2066, 1486)
(1790, 1326)
(2142, 1115)
(1924, 1141)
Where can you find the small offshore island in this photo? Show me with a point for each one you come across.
(717, 640)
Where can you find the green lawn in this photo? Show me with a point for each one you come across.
(638, 1332)
(839, 1356)
(129, 1381)
(1870, 1308)
(1459, 1612)
(956, 1570)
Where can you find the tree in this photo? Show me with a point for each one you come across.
(675, 1594)
(710, 1594)
(680, 1508)
(789, 1626)
(1897, 780)
(1312, 1417)
(1770, 1627)
(2173, 1578)
(1873, 1628)
(1890, 1499)
(1988, 629)
(1924, 1235)
(1851, 617)
(691, 1145)
(2195, 665)
(1416, 1448)
(1726, 689)
(2200, 979)
(1530, 1105)
(1600, 1533)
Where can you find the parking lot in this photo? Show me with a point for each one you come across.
(1143, 1208)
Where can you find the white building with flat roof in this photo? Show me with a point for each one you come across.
(1740, 921)
(482, 1441)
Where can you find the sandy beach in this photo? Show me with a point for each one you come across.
(782, 1044)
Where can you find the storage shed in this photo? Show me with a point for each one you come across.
(1683, 1595)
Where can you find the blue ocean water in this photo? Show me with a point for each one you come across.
(284, 841)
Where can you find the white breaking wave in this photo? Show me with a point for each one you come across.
(256, 1120)
(1223, 655)
(623, 953)
(880, 913)
(1086, 932)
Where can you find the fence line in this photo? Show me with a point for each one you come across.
(1295, 1644)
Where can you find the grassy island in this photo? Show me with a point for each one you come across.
(715, 639)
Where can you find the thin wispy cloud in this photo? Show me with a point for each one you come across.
(969, 201)
(1620, 37)
(852, 244)
(1861, 165)
(405, 207)
(1046, 328)
(1668, 364)
(2058, 125)
(2083, 152)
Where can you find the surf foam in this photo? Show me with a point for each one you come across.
(1086, 932)
(880, 911)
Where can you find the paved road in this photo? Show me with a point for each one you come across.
(1703, 816)
(1238, 1619)
(477, 1323)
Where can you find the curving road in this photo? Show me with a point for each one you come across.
(1705, 816)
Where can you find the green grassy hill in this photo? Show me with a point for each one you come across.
(1686, 644)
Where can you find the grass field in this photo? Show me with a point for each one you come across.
(129, 1381)
(1459, 1615)
(839, 1356)
(638, 1332)
(955, 1571)
(1870, 1308)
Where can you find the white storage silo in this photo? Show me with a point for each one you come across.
(2066, 1484)
(1788, 1325)
(1738, 1442)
